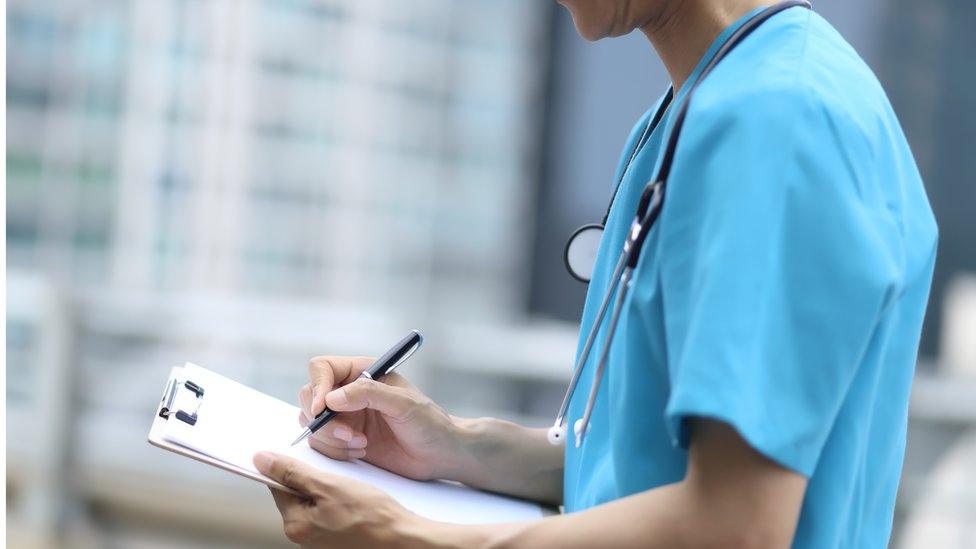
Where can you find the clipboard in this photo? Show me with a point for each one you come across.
(176, 386)
(222, 423)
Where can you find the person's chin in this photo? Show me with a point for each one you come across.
(592, 33)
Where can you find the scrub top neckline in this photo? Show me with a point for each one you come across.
(680, 96)
(710, 53)
(667, 101)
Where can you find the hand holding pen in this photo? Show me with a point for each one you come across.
(386, 421)
(382, 366)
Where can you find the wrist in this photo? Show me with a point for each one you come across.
(500, 456)
(466, 465)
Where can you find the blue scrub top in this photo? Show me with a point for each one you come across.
(782, 290)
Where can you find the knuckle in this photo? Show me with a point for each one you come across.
(358, 389)
(329, 450)
(321, 446)
(379, 387)
(297, 530)
(288, 474)
(366, 385)
(407, 407)
(404, 395)
(420, 408)
(319, 362)
(412, 410)
(326, 434)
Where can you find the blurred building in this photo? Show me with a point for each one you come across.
(191, 156)
(356, 152)
(247, 183)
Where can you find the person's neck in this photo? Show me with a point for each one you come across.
(686, 28)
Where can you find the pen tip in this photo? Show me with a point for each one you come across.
(302, 437)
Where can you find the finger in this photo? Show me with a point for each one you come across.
(288, 504)
(343, 453)
(305, 397)
(295, 515)
(323, 373)
(397, 380)
(344, 436)
(289, 472)
(393, 402)
(338, 433)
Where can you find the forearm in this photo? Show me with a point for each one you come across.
(656, 518)
(503, 457)
(670, 517)
(731, 496)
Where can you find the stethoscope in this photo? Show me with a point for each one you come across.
(581, 249)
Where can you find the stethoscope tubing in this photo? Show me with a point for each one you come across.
(625, 280)
(650, 203)
(591, 337)
(648, 210)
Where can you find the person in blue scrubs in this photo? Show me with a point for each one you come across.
(756, 392)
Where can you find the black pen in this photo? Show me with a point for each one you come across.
(385, 364)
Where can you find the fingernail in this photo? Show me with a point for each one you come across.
(262, 460)
(337, 399)
(357, 442)
(343, 433)
(357, 454)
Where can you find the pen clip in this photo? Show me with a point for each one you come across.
(409, 353)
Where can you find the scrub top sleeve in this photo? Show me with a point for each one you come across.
(775, 270)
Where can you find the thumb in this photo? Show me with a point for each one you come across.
(394, 402)
(288, 471)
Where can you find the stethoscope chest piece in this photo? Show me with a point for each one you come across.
(581, 250)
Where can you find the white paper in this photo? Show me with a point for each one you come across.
(235, 422)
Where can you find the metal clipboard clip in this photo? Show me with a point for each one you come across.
(174, 395)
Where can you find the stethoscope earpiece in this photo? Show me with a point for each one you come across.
(556, 435)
